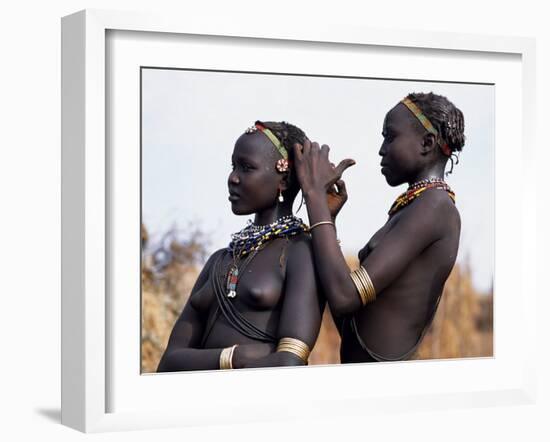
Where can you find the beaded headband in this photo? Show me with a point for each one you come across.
(283, 163)
(426, 123)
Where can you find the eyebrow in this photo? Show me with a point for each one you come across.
(388, 128)
(245, 159)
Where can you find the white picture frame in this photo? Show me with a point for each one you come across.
(87, 314)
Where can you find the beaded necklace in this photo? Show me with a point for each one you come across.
(251, 239)
(416, 189)
(253, 236)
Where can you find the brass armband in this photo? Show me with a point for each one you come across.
(364, 285)
(226, 358)
(294, 346)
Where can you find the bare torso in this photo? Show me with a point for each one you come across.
(391, 326)
(276, 297)
(259, 296)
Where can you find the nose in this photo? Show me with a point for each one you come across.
(233, 178)
(382, 150)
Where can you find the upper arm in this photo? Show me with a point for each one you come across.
(302, 305)
(422, 226)
(189, 327)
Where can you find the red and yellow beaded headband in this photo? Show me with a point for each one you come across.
(427, 124)
(283, 164)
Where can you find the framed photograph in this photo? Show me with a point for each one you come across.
(151, 110)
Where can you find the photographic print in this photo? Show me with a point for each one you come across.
(246, 228)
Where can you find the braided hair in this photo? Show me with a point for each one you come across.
(445, 117)
(288, 135)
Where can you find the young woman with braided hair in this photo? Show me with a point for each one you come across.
(255, 303)
(383, 309)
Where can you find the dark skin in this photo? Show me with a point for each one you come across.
(408, 259)
(278, 290)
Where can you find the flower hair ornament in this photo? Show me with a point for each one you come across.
(283, 163)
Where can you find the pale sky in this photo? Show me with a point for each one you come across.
(191, 120)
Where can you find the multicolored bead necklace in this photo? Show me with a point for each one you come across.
(253, 236)
(416, 189)
(251, 239)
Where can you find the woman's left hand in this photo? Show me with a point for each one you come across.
(336, 198)
(314, 170)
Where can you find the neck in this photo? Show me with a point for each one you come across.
(272, 214)
(436, 171)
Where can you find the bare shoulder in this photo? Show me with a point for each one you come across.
(301, 241)
(214, 257)
(218, 252)
(300, 247)
(432, 215)
(203, 276)
(436, 204)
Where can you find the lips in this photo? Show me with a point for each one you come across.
(233, 196)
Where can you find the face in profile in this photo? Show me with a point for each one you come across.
(254, 182)
(400, 150)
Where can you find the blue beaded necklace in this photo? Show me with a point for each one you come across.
(252, 236)
(250, 240)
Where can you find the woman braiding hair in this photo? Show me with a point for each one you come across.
(383, 309)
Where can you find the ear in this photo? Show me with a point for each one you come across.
(285, 181)
(429, 144)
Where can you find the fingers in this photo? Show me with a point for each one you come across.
(315, 149)
(310, 148)
(325, 150)
(298, 151)
(341, 187)
(344, 164)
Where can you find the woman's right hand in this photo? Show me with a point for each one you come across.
(246, 353)
(314, 170)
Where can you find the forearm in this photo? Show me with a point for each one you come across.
(185, 359)
(277, 359)
(332, 268)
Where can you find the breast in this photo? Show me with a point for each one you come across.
(377, 238)
(262, 293)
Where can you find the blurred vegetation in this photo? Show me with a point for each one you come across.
(462, 327)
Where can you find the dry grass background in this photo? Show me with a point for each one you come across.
(462, 327)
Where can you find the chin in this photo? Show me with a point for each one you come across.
(393, 181)
(239, 210)
(236, 211)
